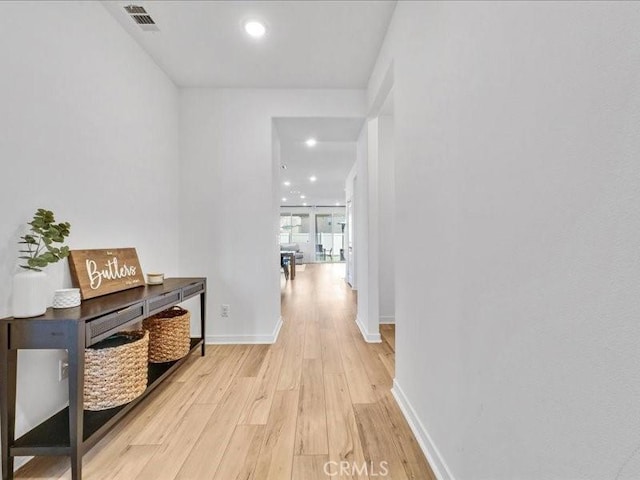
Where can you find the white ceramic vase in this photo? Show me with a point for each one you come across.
(29, 294)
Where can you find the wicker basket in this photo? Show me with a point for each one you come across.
(116, 375)
(169, 335)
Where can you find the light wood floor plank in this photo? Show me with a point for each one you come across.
(311, 467)
(216, 383)
(166, 462)
(207, 452)
(44, 468)
(343, 434)
(388, 333)
(312, 346)
(411, 456)
(129, 465)
(108, 454)
(208, 365)
(197, 365)
(165, 418)
(376, 372)
(257, 409)
(276, 455)
(377, 441)
(292, 362)
(255, 357)
(311, 432)
(331, 359)
(240, 458)
(389, 363)
(360, 386)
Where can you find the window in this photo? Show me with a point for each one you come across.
(294, 227)
(330, 236)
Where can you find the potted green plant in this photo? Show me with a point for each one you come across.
(42, 245)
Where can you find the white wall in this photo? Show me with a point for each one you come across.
(366, 244)
(229, 220)
(371, 321)
(374, 225)
(517, 188)
(350, 188)
(386, 221)
(89, 130)
(276, 162)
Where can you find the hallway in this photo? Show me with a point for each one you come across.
(270, 412)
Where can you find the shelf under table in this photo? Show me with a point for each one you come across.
(51, 437)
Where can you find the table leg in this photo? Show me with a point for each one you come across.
(203, 307)
(8, 367)
(293, 266)
(76, 396)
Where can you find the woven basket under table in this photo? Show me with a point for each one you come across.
(116, 375)
(169, 335)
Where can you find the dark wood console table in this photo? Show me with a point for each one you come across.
(73, 430)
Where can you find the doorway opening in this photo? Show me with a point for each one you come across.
(312, 158)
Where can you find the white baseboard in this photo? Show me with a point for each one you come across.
(387, 320)
(368, 337)
(245, 339)
(438, 465)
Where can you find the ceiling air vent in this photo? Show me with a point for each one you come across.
(142, 18)
(131, 9)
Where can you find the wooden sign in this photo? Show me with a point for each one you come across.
(99, 272)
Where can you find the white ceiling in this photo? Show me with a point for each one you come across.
(309, 44)
(330, 160)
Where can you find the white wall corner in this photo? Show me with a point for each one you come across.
(378, 93)
(387, 320)
(368, 337)
(435, 459)
(246, 339)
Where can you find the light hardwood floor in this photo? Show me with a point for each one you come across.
(270, 412)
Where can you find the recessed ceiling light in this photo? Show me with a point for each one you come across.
(304, 204)
(312, 178)
(311, 142)
(255, 29)
(287, 183)
(303, 196)
(284, 199)
(337, 204)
